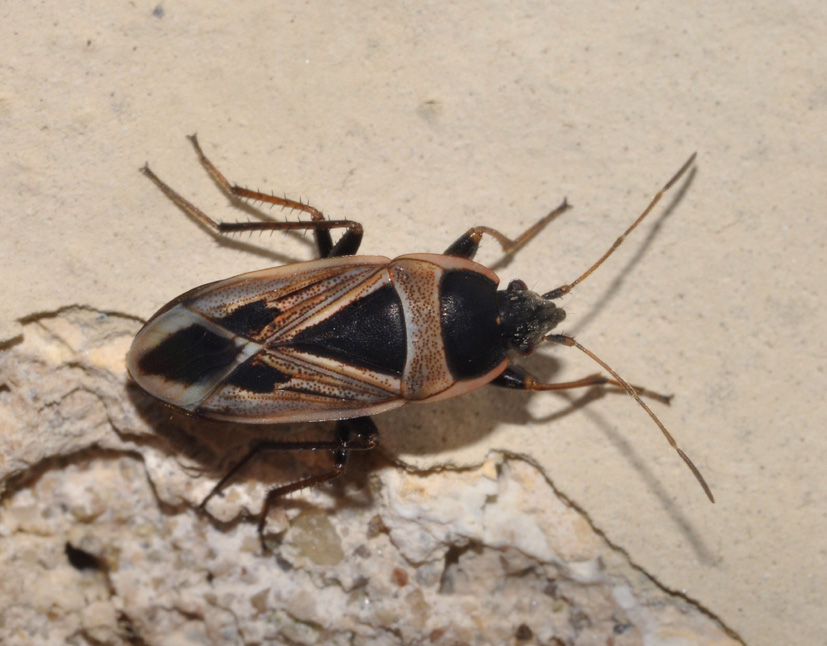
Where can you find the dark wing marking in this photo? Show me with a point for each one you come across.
(285, 364)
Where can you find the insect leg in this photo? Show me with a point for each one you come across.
(359, 434)
(351, 435)
(348, 244)
(516, 378)
(467, 244)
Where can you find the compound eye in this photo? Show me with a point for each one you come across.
(517, 285)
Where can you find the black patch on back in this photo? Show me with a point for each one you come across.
(257, 377)
(249, 320)
(369, 333)
(190, 355)
(472, 337)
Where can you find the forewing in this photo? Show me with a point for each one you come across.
(224, 350)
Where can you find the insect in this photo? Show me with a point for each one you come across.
(346, 337)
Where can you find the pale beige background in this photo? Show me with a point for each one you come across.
(421, 120)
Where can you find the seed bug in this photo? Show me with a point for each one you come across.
(346, 337)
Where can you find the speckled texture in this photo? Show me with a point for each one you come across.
(104, 544)
(420, 121)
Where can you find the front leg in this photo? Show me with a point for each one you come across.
(517, 378)
(468, 244)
